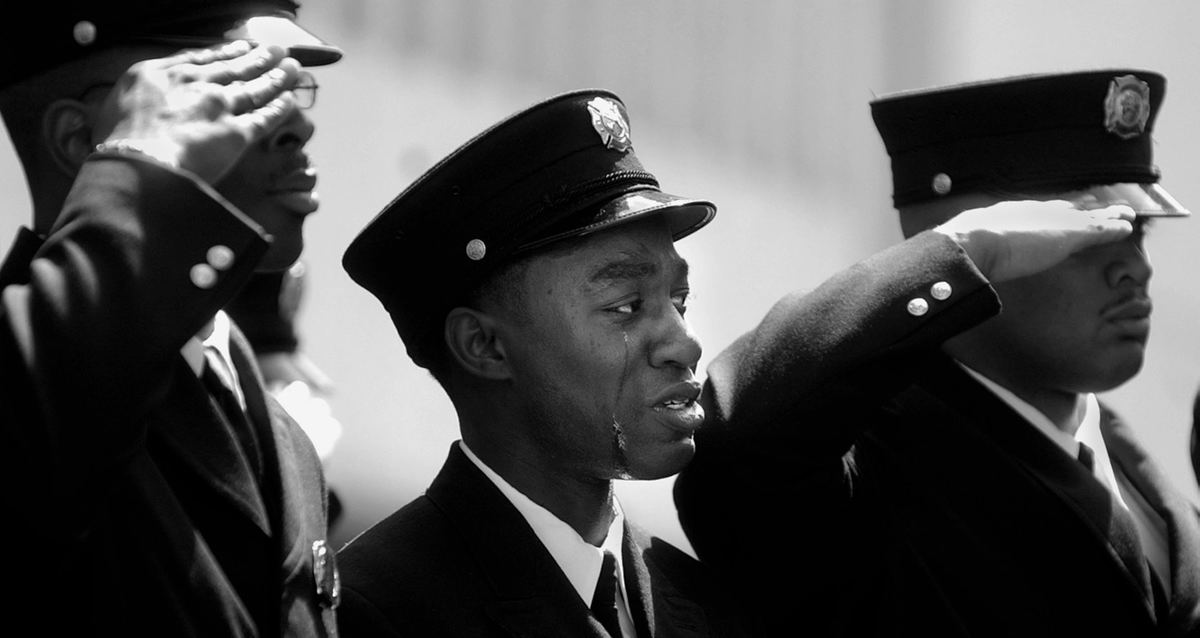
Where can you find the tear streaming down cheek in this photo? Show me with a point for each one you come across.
(618, 433)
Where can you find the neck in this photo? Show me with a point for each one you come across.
(1065, 409)
(583, 503)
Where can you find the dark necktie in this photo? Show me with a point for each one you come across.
(235, 415)
(1087, 457)
(1126, 539)
(604, 601)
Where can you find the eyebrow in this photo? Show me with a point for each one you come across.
(631, 268)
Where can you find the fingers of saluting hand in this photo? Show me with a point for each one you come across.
(1110, 223)
(1090, 221)
(249, 95)
(241, 78)
(222, 64)
(1017, 238)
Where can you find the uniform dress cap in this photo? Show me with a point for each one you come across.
(562, 168)
(46, 34)
(1031, 134)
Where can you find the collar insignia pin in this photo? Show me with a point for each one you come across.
(325, 573)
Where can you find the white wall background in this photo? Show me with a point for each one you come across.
(760, 106)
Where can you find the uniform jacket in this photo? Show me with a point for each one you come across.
(461, 561)
(135, 511)
(895, 495)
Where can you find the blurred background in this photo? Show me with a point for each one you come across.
(760, 106)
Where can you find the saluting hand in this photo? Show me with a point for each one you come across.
(200, 109)
(1013, 239)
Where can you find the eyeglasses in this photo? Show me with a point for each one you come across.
(305, 90)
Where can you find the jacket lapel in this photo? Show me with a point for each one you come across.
(15, 268)
(1181, 517)
(1033, 453)
(260, 417)
(532, 597)
(196, 434)
(658, 609)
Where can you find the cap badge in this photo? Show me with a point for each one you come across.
(1127, 107)
(610, 123)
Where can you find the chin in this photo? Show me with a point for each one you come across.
(280, 256)
(664, 463)
(1115, 375)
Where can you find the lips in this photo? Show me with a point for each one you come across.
(295, 191)
(1131, 318)
(1134, 308)
(678, 406)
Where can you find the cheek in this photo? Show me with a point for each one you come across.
(246, 182)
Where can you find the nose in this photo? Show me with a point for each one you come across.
(293, 134)
(675, 345)
(1130, 264)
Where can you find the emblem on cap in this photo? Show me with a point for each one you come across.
(1127, 106)
(610, 123)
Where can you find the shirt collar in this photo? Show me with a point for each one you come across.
(217, 339)
(1087, 430)
(578, 559)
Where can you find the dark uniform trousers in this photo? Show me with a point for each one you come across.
(853, 481)
(134, 511)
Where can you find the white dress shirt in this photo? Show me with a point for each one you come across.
(214, 348)
(578, 559)
(1150, 525)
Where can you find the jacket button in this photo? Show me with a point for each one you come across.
(940, 291)
(918, 307)
(203, 276)
(220, 257)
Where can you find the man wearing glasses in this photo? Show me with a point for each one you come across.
(160, 491)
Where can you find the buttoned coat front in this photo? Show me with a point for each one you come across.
(854, 481)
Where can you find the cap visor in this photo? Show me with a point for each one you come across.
(684, 216)
(306, 48)
(1146, 200)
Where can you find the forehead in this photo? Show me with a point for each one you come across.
(629, 251)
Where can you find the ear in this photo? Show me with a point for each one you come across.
(475, 343)
(67, 133)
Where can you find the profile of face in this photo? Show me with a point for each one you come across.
(1081, 326)
(274, 184)
(602, 359)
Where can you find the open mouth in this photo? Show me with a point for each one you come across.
(679, 408)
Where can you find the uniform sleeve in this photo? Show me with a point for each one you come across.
(139, 259)
(913, 295)
(785, 402)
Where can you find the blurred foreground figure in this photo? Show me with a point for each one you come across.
(916, 447)
(158, 490)
(553, 318)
